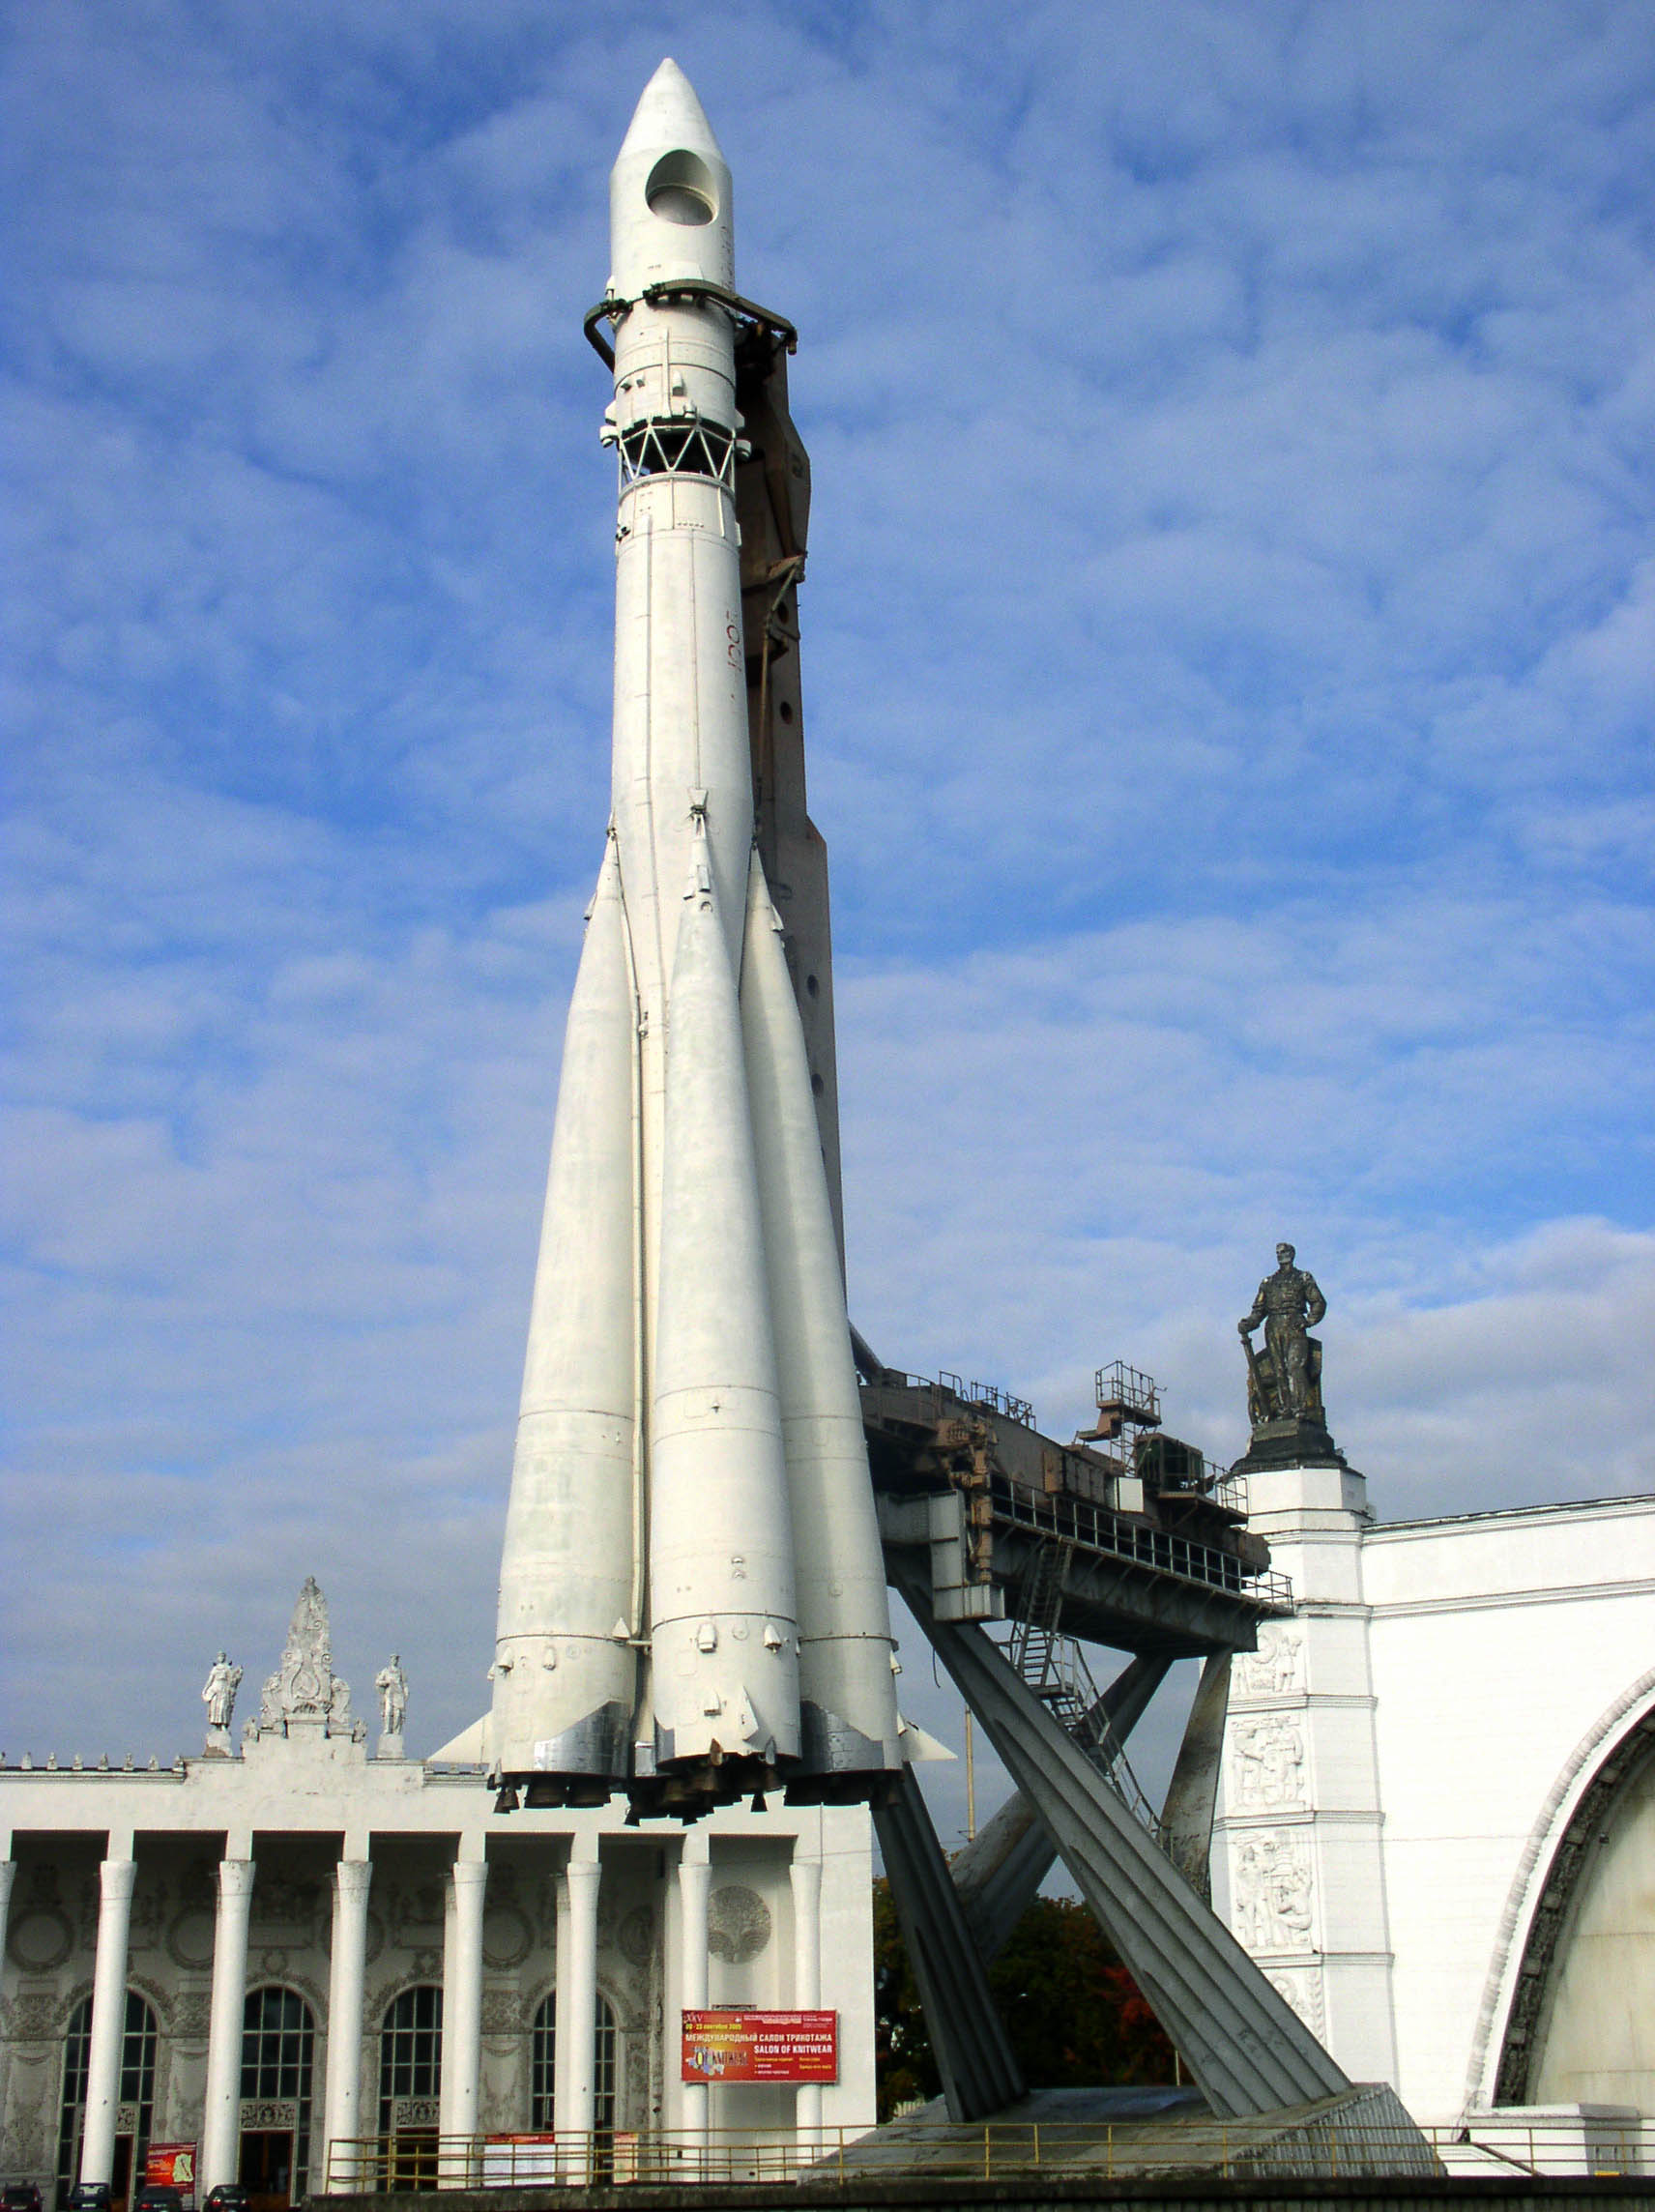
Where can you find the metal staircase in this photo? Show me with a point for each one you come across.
(1054, 1666)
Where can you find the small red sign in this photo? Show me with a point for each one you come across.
(173, 2164)
(761, 2046)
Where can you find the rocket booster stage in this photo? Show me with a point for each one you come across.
(692, 1599)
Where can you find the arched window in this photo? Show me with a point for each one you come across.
(542, 2057)
(278, 2040)
(541, 2066)
(137, 2091)
(603, 2066)
(410, 2083)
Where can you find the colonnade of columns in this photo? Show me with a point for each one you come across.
(576, 1966)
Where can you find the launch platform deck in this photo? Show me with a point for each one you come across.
(1149, 1562)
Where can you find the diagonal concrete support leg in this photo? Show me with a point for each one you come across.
(1246, 2047)
(973, 2057)
(1192, 1794)
(999, 1874)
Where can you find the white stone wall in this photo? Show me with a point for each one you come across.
(1456, 1685)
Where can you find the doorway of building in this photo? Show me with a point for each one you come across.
(267, 2169)
(121, 2175)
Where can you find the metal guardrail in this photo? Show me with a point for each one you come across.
(1095, 1529)
(1228, 1488)
(1311, 2146)
(988, 1394)
(1223, 1486)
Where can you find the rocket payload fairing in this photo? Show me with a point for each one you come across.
(692, 1598)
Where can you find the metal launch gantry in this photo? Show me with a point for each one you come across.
(983, 1519)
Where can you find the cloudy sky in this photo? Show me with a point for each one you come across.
(1229, 646)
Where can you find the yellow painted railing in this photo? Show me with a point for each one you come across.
(423, 2159)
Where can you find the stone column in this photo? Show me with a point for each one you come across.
(221, 2112)
(562, 2041)
(341, 2113)
(116, 1876)
(694, 1884)
(462, 2013)
(805, 1877)
(577, 1995)
(8, 1871)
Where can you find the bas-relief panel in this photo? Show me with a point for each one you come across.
(37, 2015)
(40, 1938)
(1272, 1892)
(288, 1914)
(1265, 1763)
(31, 2117)
(1301, 1987)
(738, 1924)
(190, 1938)
(1276, 1668)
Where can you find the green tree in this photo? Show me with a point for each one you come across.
(1074, 2014)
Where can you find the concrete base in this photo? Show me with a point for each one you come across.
(1123, 2133)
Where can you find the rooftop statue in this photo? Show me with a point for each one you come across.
(1284, 1380)
(391, 1684)
(219, 1692)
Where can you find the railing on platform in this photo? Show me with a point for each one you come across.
(1095, 1529)
(1309, 2145)
(988, 1394)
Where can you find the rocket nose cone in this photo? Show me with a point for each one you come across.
(668, 116)
(669, 193)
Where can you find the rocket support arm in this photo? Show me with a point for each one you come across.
(745, 313)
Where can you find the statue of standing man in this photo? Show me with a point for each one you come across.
(391, 1684)
(219, 1692)
(1286, 1385)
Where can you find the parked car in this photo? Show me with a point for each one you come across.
(228, 2196)
(20, 2197)
(158, 2196)
(88, 2196)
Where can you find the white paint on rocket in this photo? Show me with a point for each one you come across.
(691, 1578)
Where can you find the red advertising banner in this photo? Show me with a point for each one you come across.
(761, 2046)
(173, 2164)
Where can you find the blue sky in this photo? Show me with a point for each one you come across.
(1229, 645)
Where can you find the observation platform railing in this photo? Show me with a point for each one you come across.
(1303, 2144)
(1118, 1537)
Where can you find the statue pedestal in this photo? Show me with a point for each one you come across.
(389, 1745)
(219, 1744)
(1291, 1440)
(1288, 1503)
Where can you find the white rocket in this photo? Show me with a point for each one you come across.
(692, 1599)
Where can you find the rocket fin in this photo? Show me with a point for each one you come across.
(847, 1697)
(721, 1542)
(564, 1684)
(469, 1748)
(919, 1746)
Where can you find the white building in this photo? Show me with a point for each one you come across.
(273, 1952)
(1437, 1827)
